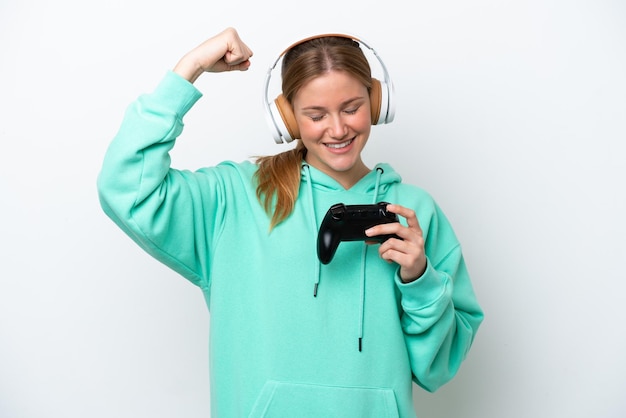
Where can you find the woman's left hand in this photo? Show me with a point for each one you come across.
(408, 252)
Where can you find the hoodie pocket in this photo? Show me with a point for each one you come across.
(282, 399)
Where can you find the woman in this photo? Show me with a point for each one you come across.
(380, 317)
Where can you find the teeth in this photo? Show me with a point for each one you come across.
(339, 146)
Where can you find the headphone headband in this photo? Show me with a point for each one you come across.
(280, 116)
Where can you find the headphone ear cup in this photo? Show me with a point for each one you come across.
(380, 99)
(289, 127)
(375, 101)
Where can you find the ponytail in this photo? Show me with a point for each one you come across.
(278, 182)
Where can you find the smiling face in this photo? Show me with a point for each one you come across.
(334, 118)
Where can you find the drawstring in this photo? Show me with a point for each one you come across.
(309, 182)
(362, 296)
(379, 173)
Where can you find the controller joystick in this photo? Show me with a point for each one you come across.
(348, 223)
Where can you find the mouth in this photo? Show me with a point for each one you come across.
(340, 145)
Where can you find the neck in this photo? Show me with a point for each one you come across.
(350, 178)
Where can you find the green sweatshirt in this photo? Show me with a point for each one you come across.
(276, 349)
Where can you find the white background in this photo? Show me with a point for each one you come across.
(511, 113)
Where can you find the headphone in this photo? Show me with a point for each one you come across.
(279, 113)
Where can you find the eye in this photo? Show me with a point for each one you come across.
(352, 110)
(316, 118)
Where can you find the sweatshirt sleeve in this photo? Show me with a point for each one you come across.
(441, 314)
(160, 208)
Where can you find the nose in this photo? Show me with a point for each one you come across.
(337, 128)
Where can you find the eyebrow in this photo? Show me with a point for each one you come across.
(344, 103)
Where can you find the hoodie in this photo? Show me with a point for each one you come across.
(290, 336)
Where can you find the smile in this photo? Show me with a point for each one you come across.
(340, 144)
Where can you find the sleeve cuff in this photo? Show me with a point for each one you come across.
(179, 93)
(422, 292)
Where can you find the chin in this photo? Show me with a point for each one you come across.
(343, 168)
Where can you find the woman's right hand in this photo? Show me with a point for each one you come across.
(223, 52)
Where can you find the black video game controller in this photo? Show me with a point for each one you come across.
(348, 223)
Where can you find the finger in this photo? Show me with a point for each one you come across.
(404, 245)
(386, 229)
(406, 213)
(412, 264)
(238, 54)
(378, 233)
(242, 66)
(394, 256)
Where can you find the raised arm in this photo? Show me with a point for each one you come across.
(170, 213)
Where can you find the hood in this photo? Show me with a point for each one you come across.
(376, 182)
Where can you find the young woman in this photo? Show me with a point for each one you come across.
(291, 336)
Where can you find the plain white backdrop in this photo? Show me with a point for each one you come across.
(511, 113)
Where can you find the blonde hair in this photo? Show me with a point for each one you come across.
(278, 176)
